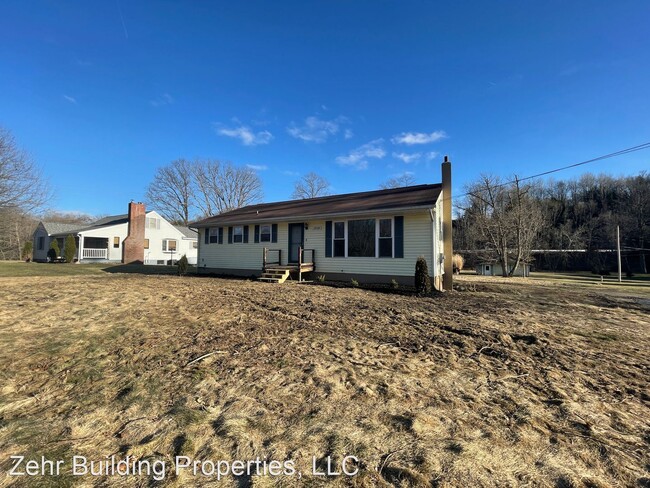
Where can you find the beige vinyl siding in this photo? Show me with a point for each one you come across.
(239, 255)
(418, 240)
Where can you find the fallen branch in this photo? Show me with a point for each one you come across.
(200, 358)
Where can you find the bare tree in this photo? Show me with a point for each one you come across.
(406, 179)
(22, 191)
(21, 184)
(221, 187)
(68, 217)
(504, 220)
(16, 228)
(310, 185)
(172, 192)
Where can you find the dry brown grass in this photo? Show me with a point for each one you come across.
(503, 385)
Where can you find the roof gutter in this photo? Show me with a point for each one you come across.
(200, 225)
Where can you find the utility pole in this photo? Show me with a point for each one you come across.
(618, 251)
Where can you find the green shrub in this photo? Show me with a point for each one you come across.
(422, 281)
(53, 252)
(321, 278)
(354, 283)
(394, 284)
(69, 249)
(55, 245)
(182, 265)
(27, 251)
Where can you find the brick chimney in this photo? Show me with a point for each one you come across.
(133, 245)
(447, 246)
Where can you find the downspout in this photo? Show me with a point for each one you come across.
(434, 246)
(448, 277)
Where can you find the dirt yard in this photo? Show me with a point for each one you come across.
(504, 384)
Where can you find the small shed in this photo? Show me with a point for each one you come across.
(493, 268)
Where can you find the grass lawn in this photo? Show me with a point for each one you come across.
(514, 383)
(21, 268)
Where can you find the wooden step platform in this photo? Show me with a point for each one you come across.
(275, 275)
(280, 274)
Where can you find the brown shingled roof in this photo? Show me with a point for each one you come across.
(368, 201)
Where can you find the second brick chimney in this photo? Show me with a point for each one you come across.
(133, 245)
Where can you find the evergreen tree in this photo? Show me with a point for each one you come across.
(69, 249)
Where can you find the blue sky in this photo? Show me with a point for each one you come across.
(102, 93)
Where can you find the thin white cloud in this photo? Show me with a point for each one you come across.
(257, 167)
(164, 99)
(358, 158)
(70, 99)
(315, 129)
(412, 138)
(431, 155)
(348, 134)
(245, 135)
(290, 173)
(406, 157)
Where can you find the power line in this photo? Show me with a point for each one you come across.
(628, 150)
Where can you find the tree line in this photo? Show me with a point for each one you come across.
(506, 221)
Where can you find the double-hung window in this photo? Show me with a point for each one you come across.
(339, 239)
(214, 235)
(238, 234)
(265, 233)
(385, 238)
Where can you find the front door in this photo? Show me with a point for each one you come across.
(296, 237)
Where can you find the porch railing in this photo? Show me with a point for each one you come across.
(95, 253)
(306, 256)
(271, 257)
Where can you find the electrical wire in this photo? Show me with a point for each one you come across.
(640, 147)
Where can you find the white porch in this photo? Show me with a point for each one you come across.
(90, 253)
(93, 248)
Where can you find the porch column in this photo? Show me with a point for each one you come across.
(80, 251)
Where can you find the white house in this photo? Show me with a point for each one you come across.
(102, 240)
(374, 236)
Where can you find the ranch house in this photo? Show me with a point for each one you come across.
(373, 236)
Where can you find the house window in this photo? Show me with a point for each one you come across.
(385, 238)
(361, 238)
(339, 239)
(41, 243)
(146, 243)
(265, 233)
(152, 223)
(238, 234)
(116, 242)
(214, 235)
(195, 245)
(169, 245)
